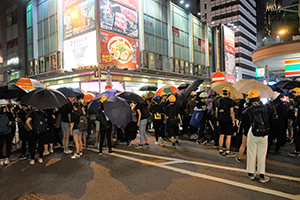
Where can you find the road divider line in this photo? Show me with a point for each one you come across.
(205, 164)
(212, 178)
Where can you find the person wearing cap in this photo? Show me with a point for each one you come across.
(202, 107)
(108, 87)
(256, 121)
(277, 119)
(172, 113)
(158, 117)
(225, 121)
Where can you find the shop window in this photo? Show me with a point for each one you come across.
(59, 60)
(151, 60)
(166, 64)
(41, 65)
(192, 69)
(53, 62)
(171, 65)
(177, 66)
(182, 66)
(196, 70)
(47, 63)
(145, 59)
(159, 62)
(31, 67)
(187, 68)
(203, 70)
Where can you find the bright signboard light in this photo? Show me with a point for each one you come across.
(292, 67)
(260, 72)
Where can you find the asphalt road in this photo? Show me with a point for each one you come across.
(189, 172)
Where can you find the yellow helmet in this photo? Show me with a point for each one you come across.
(296, 89)
(163, 94)
(253, 94)
(144, 96)
(104, 98)
(172, 98)
(226, 91)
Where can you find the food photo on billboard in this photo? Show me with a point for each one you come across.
(119, 50)
(78, 17)
(80, 50)
(118, 18)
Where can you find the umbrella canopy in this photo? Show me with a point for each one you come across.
(45, 99)
(181, 100)
(108, 93)
(193, 87)
(218, 87)
(118, 111)
(149, 94)
(88, 97)
(131, 96)
(245, 85)
(3, 102)
(93, 106)
(168, 89)
(26, 83)
(148, 88)
(183, 86)
(286, 84)
(11, 91)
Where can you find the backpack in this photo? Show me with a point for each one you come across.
(196, 119)
(104, 124)
(260, 124)
(83, 123)
(40, 124)
(223, 111)
(4, 124)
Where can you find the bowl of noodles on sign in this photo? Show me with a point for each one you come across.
(120, 49)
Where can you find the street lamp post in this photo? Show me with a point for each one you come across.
(76, 14)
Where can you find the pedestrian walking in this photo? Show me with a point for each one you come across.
(143, 115)
(189, 111)
(226, 121)
(173, 117)
(158, 118)
(257, 141)
(201, 106)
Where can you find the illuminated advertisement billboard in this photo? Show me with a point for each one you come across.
(78, 15)
(119, 50)
(229, 52)
(292, 67)
(80, 50)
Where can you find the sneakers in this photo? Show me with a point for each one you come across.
(31, 162)
(6, 162)
(22, 157)
(229, 154)
(221, 151)
(51, 151)
(40, 160)
(100, 154)
(215, 146)
(68, 152)
(252, 176)
(156, 142)
(264, 180)
(1, 162)
(75, 156)
(177, 143)
(161, 142)
(80, 153)
(97, 145)
(129, 144)
(111, 151)
(46, 153)
(204, 142)
(140, 146)
(294, 154)
(237, 159)
(173, 146)
(146, 144)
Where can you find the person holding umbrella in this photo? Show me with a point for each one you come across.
(172, 113)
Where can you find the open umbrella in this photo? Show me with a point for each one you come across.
(68, 92)
(218, 87)
(3, 102)
(168, 89)
(181, 100)
(131, 96)
(287, 84)
(93, 106)
(11, 91)
(245, 85)
(183, 86)
(118, 111)
(45, 99)
(193, 87)
(26, 83)
(88, 97)
(148, 88)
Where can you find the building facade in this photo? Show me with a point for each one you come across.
(239, 16)
(156, 42)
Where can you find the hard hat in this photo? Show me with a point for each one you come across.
(172, 98)
(296, 89)
(107, 87)
(156, 98)
(104, 98)
(203, 95)
(253, 94)
(163, 94)
(144, 96)
(226, 89)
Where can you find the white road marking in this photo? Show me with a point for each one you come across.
(205, 164)
(220, 180)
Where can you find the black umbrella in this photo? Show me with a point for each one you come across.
(286, 84)
(45, 99)
(183, 86)
(118, 111)
(70, 92)
(148, 88)
(181, 100)
(11, 91)
(93, 106)
(131, 96)
(193, 87)
(280, 90)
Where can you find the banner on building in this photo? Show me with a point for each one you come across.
(229, 53)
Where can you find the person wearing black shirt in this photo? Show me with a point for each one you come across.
(201, 106)
(164, 103)
(75, 119)
(50, 134)
(143, 114)
(7, 137)
(65, 112)
(216, 134)
(157, 112)
(24, 132)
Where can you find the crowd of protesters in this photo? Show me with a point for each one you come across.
(247, 123)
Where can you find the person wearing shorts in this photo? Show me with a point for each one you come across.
(75, 118)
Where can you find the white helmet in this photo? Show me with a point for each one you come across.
(203, 95)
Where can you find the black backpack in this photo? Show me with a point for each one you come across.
(260, 123)
(4, 124)
(40, 124)
(223, 111)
